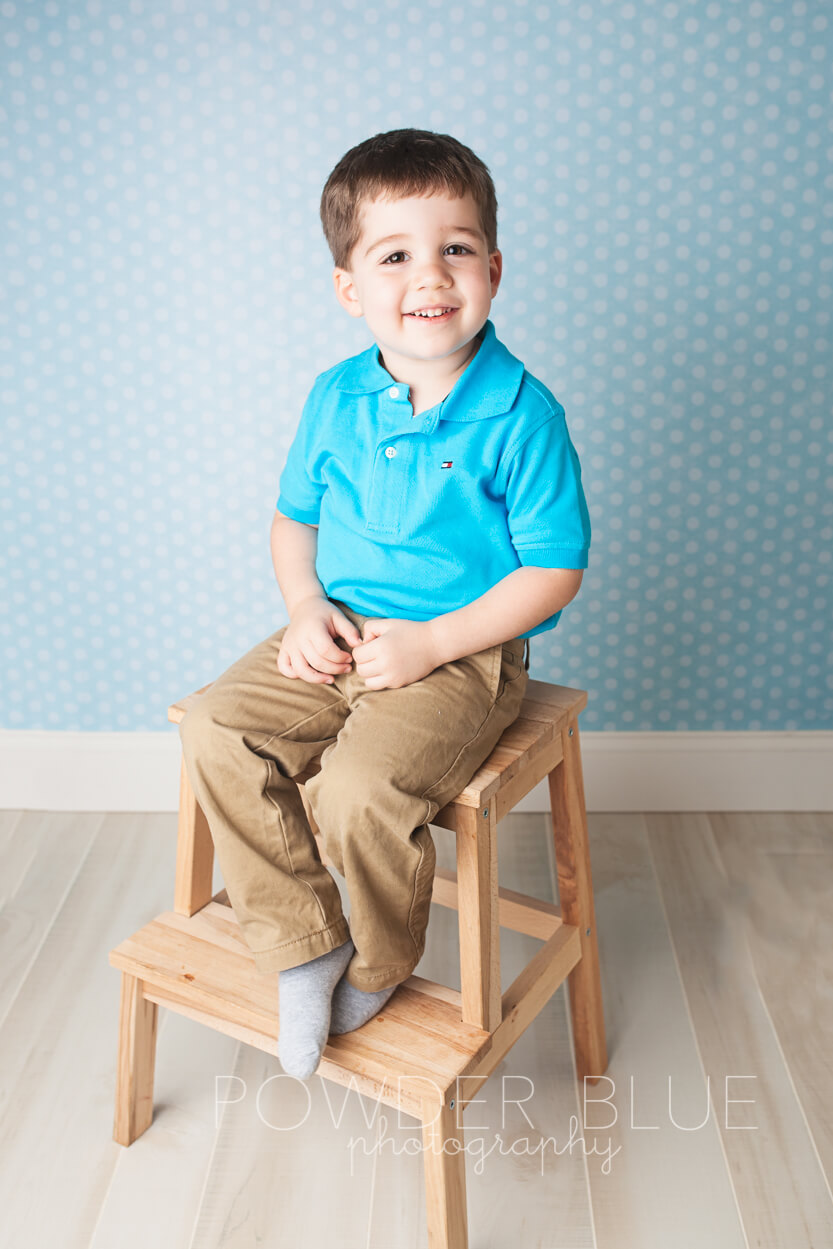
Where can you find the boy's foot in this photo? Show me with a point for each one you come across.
(353, 1007)
(304, 997)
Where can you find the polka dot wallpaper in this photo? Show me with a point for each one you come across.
(665, 187)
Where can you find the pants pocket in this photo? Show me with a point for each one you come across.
(512, 666)
(501, 669)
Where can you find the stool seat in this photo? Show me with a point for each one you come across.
(411, 1055)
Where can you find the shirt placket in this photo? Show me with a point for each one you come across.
(392, 462)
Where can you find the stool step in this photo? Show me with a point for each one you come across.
(409, 1056)
(201, 967)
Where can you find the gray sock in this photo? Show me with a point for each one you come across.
(304, 996)
(353, 1007)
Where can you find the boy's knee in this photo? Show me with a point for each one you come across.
(348, 792)
(343, 785)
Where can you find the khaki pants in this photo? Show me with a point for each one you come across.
(390, 759)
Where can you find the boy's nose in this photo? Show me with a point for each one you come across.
(433, 274)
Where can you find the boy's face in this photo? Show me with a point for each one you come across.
(421, 254)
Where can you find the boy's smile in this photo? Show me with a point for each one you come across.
(422, 278)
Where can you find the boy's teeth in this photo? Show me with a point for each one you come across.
(437, 313)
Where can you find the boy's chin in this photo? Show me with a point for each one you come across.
(427, 355)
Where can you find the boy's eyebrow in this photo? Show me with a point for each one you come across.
(391, 238)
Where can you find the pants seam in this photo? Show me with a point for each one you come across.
(416, 882)
(300, 723)
(295, 876)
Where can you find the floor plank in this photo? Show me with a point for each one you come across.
(788, 920)
(58, 1039)
(652, 1196)
(41, 861)
(15, 853)
(155, 1194)
(779, 1186)
(279, 1171)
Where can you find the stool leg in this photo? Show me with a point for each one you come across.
(135, 1062)
(194, 852)
(445, 1178)
(575, 890)
(477, 905)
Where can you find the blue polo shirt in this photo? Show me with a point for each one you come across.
(419, 515)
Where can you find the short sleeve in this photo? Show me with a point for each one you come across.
(301, 485)
(547, 512)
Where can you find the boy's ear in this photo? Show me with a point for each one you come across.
(346, 292)
(495, 270)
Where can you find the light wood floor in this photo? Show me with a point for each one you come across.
(716, 1128)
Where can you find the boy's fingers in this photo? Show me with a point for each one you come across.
(285, 665)
(307, 673)
(323, 651)
(370, 667)
(321, 665)
(305, 666)
(372, 630)
(325, 638)
(336, 654)
(346, 629)
(376, 683)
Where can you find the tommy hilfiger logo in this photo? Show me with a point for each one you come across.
(446, 464)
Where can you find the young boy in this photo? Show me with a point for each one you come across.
(430, 521)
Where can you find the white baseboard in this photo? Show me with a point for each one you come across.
(53, 771)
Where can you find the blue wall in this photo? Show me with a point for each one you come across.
(665, 185)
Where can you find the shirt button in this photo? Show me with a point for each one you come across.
(394, 392)
(390, 452)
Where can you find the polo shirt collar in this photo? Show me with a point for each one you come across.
(488, 386)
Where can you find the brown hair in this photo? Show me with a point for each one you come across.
(399, 163)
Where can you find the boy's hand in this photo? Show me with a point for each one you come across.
(395, 653)
(308, 649)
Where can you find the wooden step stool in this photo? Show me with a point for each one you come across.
(194, 960)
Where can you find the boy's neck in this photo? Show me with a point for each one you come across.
(429, 381)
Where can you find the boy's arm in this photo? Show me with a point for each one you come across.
(294, 548)
(308, 649)
(513, 606)
(397, 652)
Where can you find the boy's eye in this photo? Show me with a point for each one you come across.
(454, 249)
